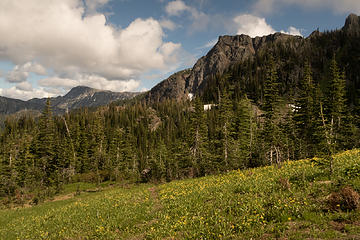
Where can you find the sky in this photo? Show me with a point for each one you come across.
(48, 47)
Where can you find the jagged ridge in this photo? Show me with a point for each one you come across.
(230, 50)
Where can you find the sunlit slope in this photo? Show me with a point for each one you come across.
(289, 201)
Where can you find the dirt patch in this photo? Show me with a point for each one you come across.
(155, 197)
(324, 182)
(284, 183)
(338, 226)
(138, 237)
(61, 197)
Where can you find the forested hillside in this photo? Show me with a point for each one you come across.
(269, 109)
(247, 56)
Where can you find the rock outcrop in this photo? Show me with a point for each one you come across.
(352, 25)
(228, 51)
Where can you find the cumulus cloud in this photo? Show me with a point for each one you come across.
(175, 8)
(268, 6)
(60, 36)
(254, 26)
(292, 31)
(168, 24)
(93, 5)
(17, 75)
(20, 73)
(54, 86)
(24, 86)
(18, 93)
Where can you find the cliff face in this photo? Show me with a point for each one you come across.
(352, 25)
(230, 50)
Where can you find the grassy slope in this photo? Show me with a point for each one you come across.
(256, 203)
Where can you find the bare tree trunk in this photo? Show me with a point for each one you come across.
(251, 138)
(324, 124)
(72, 144)
(278, 155)
(226, 145)
(328, 140)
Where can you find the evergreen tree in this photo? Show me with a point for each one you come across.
(271, 90)
(159, 161)
(225, 130)
(335, 103)
(44, 147)
(270, 106)
(304, 113)
(244, 135)
(197, 139)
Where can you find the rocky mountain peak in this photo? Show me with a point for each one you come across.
(80, 90)
(352, 24)
(229, 50)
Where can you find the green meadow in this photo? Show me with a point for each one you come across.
(296, 200)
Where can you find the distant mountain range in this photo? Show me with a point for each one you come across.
(77, 97)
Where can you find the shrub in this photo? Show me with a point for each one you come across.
(346, 199)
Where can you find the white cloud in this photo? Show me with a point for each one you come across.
(58, 82)
(344, 6)
(17, 93)
(168, 24)
(144, 90)
(24, 86)
(54, 86)
(60, 36)
(175, 8)
(252, 25)
(292, 31)
(93, 5)
(17, 75)
(35, 68)
(20, 73)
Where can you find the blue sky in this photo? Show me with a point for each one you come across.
(48, 47)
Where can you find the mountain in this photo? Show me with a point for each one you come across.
(289, 51)
(77, 97)
(9, 105)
